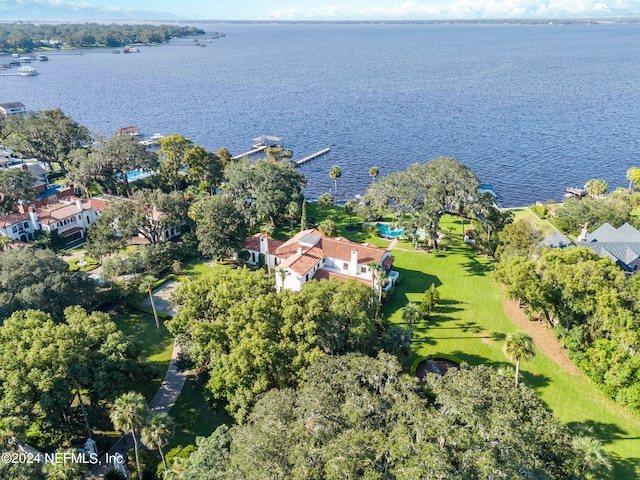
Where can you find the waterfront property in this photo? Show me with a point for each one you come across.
(621, 245)
(12, 107)
(66, 215)
(310, 255)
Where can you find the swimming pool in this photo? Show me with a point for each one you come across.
(384, 230)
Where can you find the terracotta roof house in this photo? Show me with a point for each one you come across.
(311, 255)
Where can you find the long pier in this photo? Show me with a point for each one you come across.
(324, 151)
(250, 152)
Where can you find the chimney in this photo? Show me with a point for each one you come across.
(299, 250)
(583, 234)
(79, 204)
(353, 265)
(33, 216)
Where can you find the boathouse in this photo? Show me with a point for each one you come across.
(12, 107)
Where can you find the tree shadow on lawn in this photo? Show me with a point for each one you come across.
(476, 268)
(608, 433)
(530, 379)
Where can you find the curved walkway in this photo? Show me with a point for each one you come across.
(163, 400)
(165, 397)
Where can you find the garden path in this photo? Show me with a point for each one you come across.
(542, 336)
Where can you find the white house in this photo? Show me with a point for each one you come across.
(311, 255)
(12, 107)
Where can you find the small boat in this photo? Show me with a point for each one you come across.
(43, 58)
(27, 71)
(24, 59)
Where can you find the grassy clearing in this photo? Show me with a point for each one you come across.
(525, 213)
(194, 416)
(156, 347)
(471, 325)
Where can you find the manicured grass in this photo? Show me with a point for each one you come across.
(470, 324)
(525, 213)
(194, 416)
(196, 268)
(156, 347)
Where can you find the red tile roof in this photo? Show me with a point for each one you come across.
(56, 211)
(253, 243)
(12, 219)
(297, 249)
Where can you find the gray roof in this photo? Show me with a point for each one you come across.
(606, 233)
(10, 105)
(556, 240)
(623, 253)
(310, 239)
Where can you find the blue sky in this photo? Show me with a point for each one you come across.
(312, 9)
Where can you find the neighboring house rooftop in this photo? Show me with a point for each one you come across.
(556, 240)
(622, 245)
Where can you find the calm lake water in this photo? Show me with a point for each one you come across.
(531, 109)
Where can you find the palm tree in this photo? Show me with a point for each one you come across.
(64, 470)
(350, 207)
(633, 175)
(157, 433)
(5, 241)
(128, 415)
(518, 346)
(378, 275)
(374, 172)
(9, 429)
(411, 313)
(335, 173)
(282, 274)
(146, 285)
(591, 459)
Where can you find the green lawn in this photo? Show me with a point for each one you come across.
(525, 213)
(194, 416)
(471, 325)
(156, 347)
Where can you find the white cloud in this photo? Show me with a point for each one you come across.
(464, 9)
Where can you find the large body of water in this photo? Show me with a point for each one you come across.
(531, 109)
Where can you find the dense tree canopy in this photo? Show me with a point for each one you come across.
(358, 417)
(586, 300)
(45, 364)
(15, 184)
(572, 215)
(262, 190)
(38, 279)
(49, 136)
(250, 339)
(120, 155)
(16, 37)
(149, 213)
(220, 227)
(426, 191)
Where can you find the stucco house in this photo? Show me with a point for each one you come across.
(12, 107)
(310, 255)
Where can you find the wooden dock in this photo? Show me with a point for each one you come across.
(575, 191)
(250, 152)
(320, 153)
